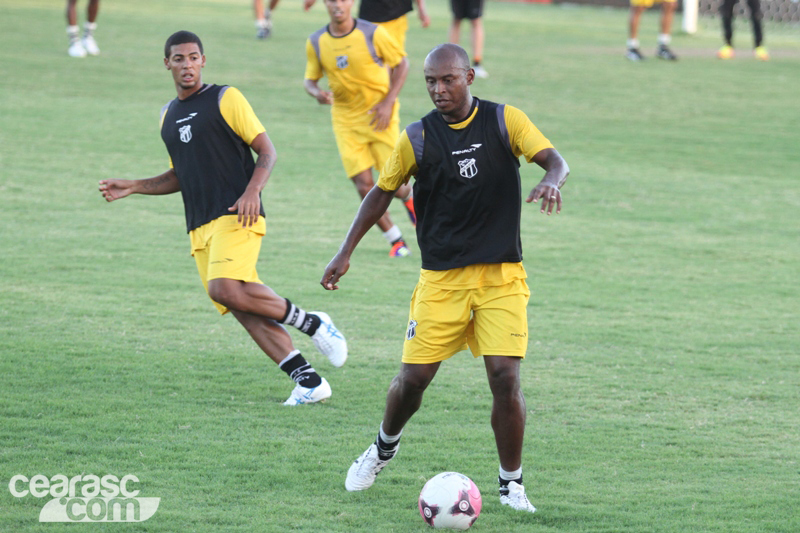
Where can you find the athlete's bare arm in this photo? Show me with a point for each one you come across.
(549, 189)
(382, 111)
(166, 183)
(374, 205)
(248, 206)
(313, 88)
(423, 13)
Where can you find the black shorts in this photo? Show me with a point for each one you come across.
(467, 9)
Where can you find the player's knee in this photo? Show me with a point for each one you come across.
(224, 294)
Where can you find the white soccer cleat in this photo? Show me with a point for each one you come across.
(90, 45)
(329, 341)
(516, 498)
(365, 469)
(480, 72)
(76, 49)
(302, 395)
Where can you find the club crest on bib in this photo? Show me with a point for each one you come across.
(341, 62)
(412, 330)
(467, 168)
(186, 133)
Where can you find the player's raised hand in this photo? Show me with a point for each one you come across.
(550, 195)
(337, 268)
(115, 189)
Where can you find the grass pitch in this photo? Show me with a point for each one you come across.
(662, 375)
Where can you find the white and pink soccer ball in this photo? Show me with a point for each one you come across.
(450, 500)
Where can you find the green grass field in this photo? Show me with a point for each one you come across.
(663, 373)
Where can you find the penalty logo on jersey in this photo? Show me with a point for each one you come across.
(467, 168)
(186, 133)
(341, 62)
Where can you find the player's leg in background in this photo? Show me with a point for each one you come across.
(726, 14)
(665, 36)
(76, 48)
(89, 44)
(477, 47)
(633, 52)
(756, 17)
(391, 232)
(92, 9)
(263, 19)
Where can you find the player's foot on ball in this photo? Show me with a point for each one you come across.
(329, 341)
(412, 214)
(634, 54)
(90, 45)
(365, 469)
(663, 52)
(726, 52)
(303, 395)
(516, 498)
(399, 249)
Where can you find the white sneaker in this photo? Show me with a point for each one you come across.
(329, 340)
(365, 469)
(76, 49)
(516, 498)
(302, 395)
(90, 45)
(480, 72)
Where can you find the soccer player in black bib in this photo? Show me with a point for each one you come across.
(471, 291)
(209, 131)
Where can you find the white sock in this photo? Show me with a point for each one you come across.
(664, 38)
(261, 23)
(72, 32)
(288, 357)
(633, 43)
(388, 439)
(393, 234)
(89, 27)
(512, 475)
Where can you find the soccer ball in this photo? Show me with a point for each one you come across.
(450, 500)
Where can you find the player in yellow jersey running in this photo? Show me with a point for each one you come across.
(366, 70)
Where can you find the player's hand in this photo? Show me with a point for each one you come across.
(381, 115)
(307, 4)
(550, 195)
(248, 208)
(325, 97)
(115, 189)
(424, 19)
(337, 268)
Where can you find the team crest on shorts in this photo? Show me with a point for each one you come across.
(411, 332)
(467, 168)
(341, 62)
(186, 133)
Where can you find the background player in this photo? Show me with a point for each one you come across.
(209, 131)
(472, 10)
(471, 290)
(354, 55)
(664, 37)
(756, 15)
(80, 46)
(390, 14)
(264, 17)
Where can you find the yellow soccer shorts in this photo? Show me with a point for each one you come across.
(650, 3)
(397, 28)
(222, 248)
(361, 147)
(488, 320)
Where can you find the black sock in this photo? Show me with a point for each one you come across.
(301, 372)
(504, 484)
(305, 322)
(386, 450)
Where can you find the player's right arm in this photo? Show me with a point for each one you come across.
(313, 75)
(166, 183)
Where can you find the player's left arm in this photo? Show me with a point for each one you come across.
(526, 139)
(391, 53)
(423, 13)
(243, 121)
